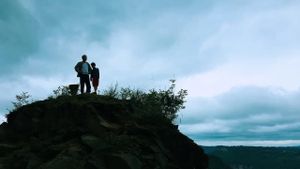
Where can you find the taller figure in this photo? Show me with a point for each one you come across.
(84, 69)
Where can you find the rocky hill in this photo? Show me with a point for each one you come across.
(94, 132)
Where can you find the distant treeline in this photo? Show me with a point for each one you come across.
(242, 157)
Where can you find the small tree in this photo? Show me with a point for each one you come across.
(21, 100)
(61, 91)
(172, 102)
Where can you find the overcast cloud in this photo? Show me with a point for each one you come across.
(247, 112)
(238, 59)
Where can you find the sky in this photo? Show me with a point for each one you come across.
(238, 59)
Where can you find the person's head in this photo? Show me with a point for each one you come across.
(84, 58)
(93, 64)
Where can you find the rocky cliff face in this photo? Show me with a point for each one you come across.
(93, 132)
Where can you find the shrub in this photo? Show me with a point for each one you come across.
(112, 91)
(167, 102)
(21, 100)
(60, 91)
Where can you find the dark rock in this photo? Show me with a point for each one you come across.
(6, 148)
(34, 161)
(95, 163)
(94, 143)
(63, 162)
(93, 132)
(124, 161)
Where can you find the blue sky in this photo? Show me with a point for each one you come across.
(238, 59)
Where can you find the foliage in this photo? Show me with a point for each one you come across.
(21, 100)
(112, 91)
(154, 105)
(60, 91)
(167, 102)
(171, 103)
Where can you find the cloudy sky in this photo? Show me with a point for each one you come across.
(238, 59)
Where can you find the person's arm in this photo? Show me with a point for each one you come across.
(90, 69)
(77, 67)
(98, 74)
(91, 77)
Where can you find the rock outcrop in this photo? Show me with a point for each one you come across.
(93, 132)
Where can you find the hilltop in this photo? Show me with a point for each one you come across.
(94, 132)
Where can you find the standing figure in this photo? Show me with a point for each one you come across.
(83, 69)
(95, 77)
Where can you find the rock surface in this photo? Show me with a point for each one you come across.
(93, 132)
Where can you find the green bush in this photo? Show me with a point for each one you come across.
(166, 102)
(60, 91)
(21, 100)
(154, 105)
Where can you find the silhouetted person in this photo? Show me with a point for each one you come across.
(95, 77)
(83, 69)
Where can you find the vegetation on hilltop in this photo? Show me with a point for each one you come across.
(151, 104)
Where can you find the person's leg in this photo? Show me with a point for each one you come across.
(88, 84)
(81, 85)
(98, 83)
(95, 84)
(95, 89)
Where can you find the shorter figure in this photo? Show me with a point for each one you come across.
(95, 77)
